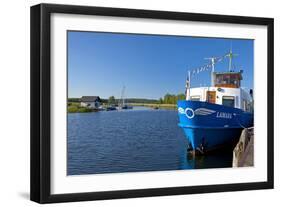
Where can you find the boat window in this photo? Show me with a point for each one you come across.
(228, 101)
(195, 98)
(227, 80)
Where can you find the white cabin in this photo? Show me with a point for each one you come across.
(225, 90)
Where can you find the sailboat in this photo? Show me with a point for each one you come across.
(122, 102)
(214, 116)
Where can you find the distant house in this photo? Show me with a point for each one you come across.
(90, 101)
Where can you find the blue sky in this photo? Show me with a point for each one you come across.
(149, 66)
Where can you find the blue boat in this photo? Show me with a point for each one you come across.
(110, 108)
(213, 117)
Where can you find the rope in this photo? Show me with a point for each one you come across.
(207, 66)
(239, 122)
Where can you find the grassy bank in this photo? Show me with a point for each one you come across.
(73, 107)
(166, 106)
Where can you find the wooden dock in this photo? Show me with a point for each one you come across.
(243, 153)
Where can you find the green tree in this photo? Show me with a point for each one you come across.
(167, 98)
(171, 98)
(181, 96)
(111, 100)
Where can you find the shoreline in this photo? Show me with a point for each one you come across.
(76, 108)
(169, 106)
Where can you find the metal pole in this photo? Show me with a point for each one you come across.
(213, 70)
(230, 58)
(189, 77)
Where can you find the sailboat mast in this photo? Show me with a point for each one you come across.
(124, 97)
(122, 102)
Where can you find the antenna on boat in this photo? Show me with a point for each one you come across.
(230, 55)
(187, 84)
(213, 61)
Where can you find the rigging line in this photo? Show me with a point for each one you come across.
(208, 66)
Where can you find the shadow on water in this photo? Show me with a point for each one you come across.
(215, 159)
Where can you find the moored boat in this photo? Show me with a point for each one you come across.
(122, 103)
(110, 108)
(126, 107)
(213, 117)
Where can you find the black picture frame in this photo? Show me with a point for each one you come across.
(41, 98)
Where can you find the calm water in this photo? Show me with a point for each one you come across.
(135, 140)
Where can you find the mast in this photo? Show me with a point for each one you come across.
(230, 55)
(213, 59)
(187, 85)
(122, 102)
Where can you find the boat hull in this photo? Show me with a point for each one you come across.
(210, 126)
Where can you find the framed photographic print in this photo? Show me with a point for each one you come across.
(132, 103)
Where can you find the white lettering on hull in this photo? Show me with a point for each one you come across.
(224, 115)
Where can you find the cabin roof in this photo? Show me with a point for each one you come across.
(228, 72)
(90, 98)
